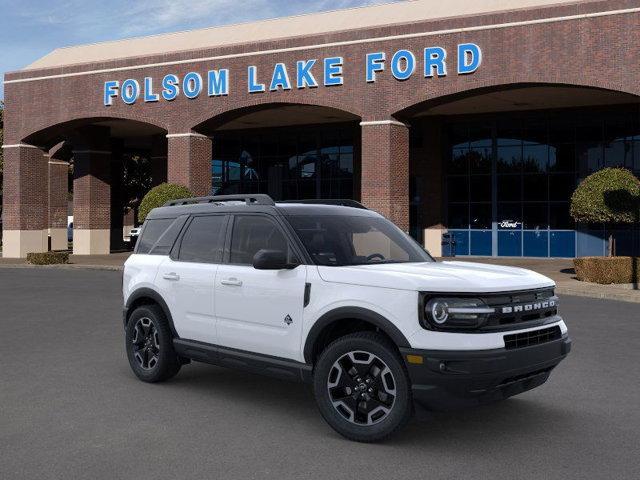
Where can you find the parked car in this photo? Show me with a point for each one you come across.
(69, 228)
(134, 234)
(339, 297)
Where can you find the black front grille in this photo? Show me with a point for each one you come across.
(526, 306)
(535, 337)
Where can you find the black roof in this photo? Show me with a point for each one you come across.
(258, 203)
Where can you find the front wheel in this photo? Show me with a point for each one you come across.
(362, 388)
(149, 345)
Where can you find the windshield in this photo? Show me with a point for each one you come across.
(336, 240)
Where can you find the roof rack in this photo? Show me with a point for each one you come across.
(344, 202)
(255, 199)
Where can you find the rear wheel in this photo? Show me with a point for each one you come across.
(149, 345)
(362, 388)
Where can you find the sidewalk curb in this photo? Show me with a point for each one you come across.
(67, 266)
(621, 297)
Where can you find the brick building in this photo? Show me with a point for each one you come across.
(474, 117)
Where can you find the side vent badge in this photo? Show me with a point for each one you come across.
(288, 320)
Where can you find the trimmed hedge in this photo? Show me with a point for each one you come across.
(607, 270)
(611, 195)
(158, 196)
(48, 258)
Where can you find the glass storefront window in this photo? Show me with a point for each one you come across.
(539, 158)
(480, 216)
(510, 159)
(286, 163)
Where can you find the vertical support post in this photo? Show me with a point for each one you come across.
(25, 200)
(385, 169)
(58, 191)
(189, 161)
(158, 160)
(92, 192)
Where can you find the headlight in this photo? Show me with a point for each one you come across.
(456, 312)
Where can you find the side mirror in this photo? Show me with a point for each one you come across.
(271, 260)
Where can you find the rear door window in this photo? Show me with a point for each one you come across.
(203, 241)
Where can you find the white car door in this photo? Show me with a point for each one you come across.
(186, 279)
(259, 310)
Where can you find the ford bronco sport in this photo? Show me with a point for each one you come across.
(330, 293)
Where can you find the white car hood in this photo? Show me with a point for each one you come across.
(447, 276)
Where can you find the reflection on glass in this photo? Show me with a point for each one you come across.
(288, 163)
(509, 159)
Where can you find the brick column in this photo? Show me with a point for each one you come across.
(91, 191)
(189, 161)
(117, 191)
(25, 199)
(385, 170)
(158, 160)
(58, 191)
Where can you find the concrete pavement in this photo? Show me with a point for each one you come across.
(70, 407)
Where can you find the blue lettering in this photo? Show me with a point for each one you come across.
(218, 82)
(375, 63)
(333, 71)
(254, 87)
(130, 91)
(304, 77)
(403, 64)
(434, 58)
(192, 85)
(469, 58)
(280, 78)
(170, 87)
(149, 96)
(110, 92)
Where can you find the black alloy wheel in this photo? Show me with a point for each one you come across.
(149, 345)
(362, 387)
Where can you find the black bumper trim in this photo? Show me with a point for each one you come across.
(451, 379)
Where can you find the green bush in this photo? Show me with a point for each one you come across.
(611, 195)
(607, 270)
(48, 258)
(158, 196)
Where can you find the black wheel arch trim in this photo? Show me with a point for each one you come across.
(352, 313)
(152, 295)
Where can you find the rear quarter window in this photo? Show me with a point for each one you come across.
(151, 233)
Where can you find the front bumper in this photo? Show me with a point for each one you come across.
(452, 379)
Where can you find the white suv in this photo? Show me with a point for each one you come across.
(333, 294)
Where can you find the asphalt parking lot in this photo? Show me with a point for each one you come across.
(71, 408)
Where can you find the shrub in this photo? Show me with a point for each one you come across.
(158, 196)
(606, 270)
(48, 258)
(611, 195)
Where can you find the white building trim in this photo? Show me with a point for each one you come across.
(383, 122)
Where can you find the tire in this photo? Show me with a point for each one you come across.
(368, 414)
(149, 345)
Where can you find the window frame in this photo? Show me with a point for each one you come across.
(177, 246)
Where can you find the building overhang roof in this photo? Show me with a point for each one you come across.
(280, 28)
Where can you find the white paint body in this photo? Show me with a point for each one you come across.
(240, 307)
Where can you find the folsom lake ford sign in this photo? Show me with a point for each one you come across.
(308, 73)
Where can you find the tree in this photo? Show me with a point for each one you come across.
(160, 195)
(136, 180)
(611, 195)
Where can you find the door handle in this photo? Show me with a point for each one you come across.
(234, 282)
(171, 276)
